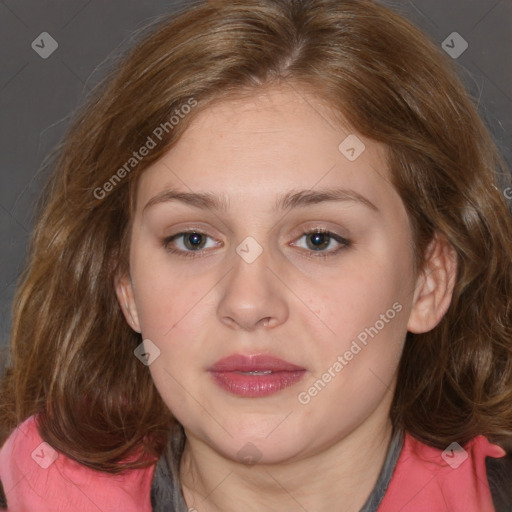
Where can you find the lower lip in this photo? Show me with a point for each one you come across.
(251, 386)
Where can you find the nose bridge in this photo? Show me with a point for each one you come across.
(250, 275)
(251, 293)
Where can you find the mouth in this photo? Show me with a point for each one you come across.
(255, 375)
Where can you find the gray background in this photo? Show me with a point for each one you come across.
(37, 95)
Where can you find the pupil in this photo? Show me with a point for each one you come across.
(195, 240)
(321, 239)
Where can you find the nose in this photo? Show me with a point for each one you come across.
(252, 297)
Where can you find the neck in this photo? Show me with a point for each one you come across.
(339, 477)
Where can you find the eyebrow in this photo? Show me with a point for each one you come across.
(292, 199)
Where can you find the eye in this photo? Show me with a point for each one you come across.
(188, 242)
(191, 244)
(318, 240)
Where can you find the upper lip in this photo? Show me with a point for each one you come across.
(253, 363)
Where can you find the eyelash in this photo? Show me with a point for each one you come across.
(345, 243)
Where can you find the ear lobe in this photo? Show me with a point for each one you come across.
(434, 286)
(124, 292)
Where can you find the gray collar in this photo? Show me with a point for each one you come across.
(378, 492)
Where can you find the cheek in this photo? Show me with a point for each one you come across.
(356, 297)
(166, 296)
(172, 315)
(170, 308)
(364, 313)
(358, 356)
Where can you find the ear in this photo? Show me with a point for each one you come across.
(125, 296)
(434, 286)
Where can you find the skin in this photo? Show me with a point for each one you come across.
(326, 454)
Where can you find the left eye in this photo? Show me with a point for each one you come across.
(318, 240)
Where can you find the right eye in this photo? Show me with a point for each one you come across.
(187, 242)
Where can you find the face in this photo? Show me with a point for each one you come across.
(301, 250)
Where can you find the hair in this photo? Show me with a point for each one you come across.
(72, 352)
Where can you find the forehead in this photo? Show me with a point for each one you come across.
(270, 142)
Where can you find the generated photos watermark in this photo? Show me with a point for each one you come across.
(151, 143)
(305, 397)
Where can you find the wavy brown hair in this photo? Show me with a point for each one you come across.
(72, 360)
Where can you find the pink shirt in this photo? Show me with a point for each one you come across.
(37, 478)
(423, 481)
(34, 480)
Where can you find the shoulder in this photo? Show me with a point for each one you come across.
(34, 476)
(455, 479)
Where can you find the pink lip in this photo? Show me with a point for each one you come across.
(227, 374)
(253, 363)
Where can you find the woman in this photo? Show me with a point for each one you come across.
(275, 259)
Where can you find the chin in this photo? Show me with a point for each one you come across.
(252, 450)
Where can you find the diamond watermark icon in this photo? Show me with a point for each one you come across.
(454, 45)
(44, 455)
(249, 454)
(454, 455)
(352, 147)
(147, 352)
(249, 249)
(44, 45)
